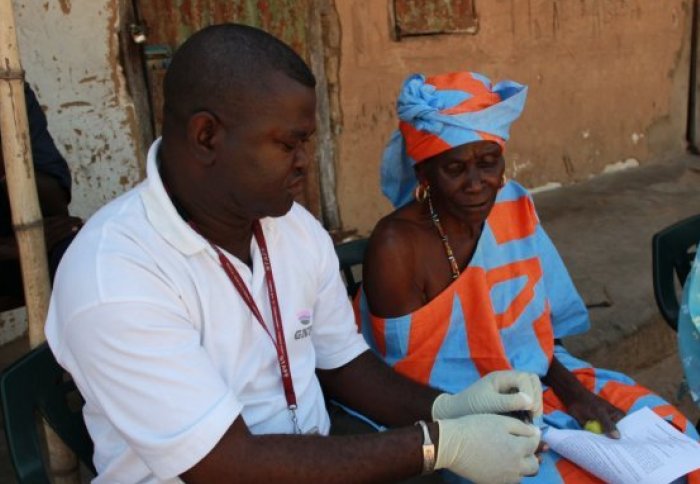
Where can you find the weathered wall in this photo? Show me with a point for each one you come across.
(70, 52)
(608, 84)
(607, 78)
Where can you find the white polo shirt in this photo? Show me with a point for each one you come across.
(164, 350)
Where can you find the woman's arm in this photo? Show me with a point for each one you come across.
(580, 402)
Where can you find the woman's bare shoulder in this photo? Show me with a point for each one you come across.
(399, 227)
(390, 267)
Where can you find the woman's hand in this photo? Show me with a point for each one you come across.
(582, 404)
(588, 406)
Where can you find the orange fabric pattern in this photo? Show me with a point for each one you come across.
(502, 216)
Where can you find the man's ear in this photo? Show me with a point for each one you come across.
(202, 130)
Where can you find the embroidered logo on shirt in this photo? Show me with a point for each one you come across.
(304, 317)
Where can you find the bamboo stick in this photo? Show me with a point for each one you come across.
(325, 147)
(19, 172)
(26, 214)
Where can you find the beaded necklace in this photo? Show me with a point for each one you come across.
(443, 237)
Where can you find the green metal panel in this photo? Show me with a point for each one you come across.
(171, 22)
(168, 23)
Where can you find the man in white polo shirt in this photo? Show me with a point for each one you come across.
(201, 313)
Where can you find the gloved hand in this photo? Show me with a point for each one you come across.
(492, 394)
(488, 448)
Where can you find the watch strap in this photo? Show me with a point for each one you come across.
(428, 449)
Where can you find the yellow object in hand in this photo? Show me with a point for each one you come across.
(593, 426)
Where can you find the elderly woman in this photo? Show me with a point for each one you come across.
(462, 280)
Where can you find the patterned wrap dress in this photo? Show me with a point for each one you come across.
(504, 312)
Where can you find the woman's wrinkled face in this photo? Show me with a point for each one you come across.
(465, 179)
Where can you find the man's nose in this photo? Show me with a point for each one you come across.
(302, 157)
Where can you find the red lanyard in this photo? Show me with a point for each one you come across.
(278, 341)
(237, 281)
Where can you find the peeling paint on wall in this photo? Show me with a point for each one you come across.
(636, 137)
(13, 324)
(621, 165)
(65, 6)
(70, 52)
(549, 186)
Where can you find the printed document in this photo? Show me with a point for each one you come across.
(650, 450)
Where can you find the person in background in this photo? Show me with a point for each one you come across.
(461, 280)
(53, 182)
(689, 330)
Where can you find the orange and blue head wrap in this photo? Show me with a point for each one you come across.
(440, 113)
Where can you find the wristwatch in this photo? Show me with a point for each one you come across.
(428, 449)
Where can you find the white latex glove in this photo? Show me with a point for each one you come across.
(488, 448)
(491, 395)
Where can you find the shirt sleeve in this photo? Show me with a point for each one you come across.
(569, 313)
(140, 362)
(336, 338)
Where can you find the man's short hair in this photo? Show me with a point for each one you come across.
(222, 63)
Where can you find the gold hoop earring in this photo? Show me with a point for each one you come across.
(421, 192)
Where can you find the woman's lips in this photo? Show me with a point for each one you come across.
(475, 206)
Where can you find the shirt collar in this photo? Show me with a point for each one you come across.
(162, 213)
(164, 217)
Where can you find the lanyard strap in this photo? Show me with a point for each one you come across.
(278, 340)
(237, 281)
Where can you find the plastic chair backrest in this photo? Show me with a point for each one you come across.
(351, 254)
(36, 384)
(672, 254)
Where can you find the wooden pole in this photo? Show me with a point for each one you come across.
(21, 186)
(325, 147)
(26, 214)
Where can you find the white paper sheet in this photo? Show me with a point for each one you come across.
(650, 451)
